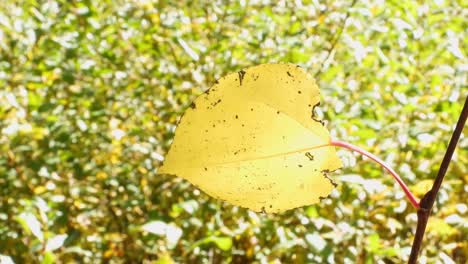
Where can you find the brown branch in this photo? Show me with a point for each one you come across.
(427, 202)
(335, 40)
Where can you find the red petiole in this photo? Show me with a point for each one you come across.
(395, 175)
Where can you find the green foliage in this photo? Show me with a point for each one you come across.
(91, 92)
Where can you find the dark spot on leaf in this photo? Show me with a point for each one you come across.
(193, 105)
(237, 151)
(214, 125)
(251, 109)
(263, 210)
(299, 92)
(241, 76)
(237, 116)
(277, 112)
(289, 74)
(310, 156)
(300, 166)
(217, 102)
(271, 206)
(206, 169)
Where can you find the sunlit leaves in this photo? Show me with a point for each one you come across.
(67, 70)
(55, 242)
(32, 225)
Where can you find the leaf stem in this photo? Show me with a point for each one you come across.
(395, 175)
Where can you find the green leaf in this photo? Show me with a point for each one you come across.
(49, 258)
(223, 243)
(373, 243)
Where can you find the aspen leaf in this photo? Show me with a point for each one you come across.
(252, 140)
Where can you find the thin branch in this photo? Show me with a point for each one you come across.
(335, 39)
(427, 202)
(395, 175)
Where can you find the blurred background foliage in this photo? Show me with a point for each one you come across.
(90, 93)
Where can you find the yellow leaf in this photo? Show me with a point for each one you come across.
(164, 258)
(142, 170)
(440, 227)
(40, 189)
(251, 140)
(321, 19)
(422, 187)
(101, 175)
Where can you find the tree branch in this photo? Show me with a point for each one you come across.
(335, 40)
(427, 202)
